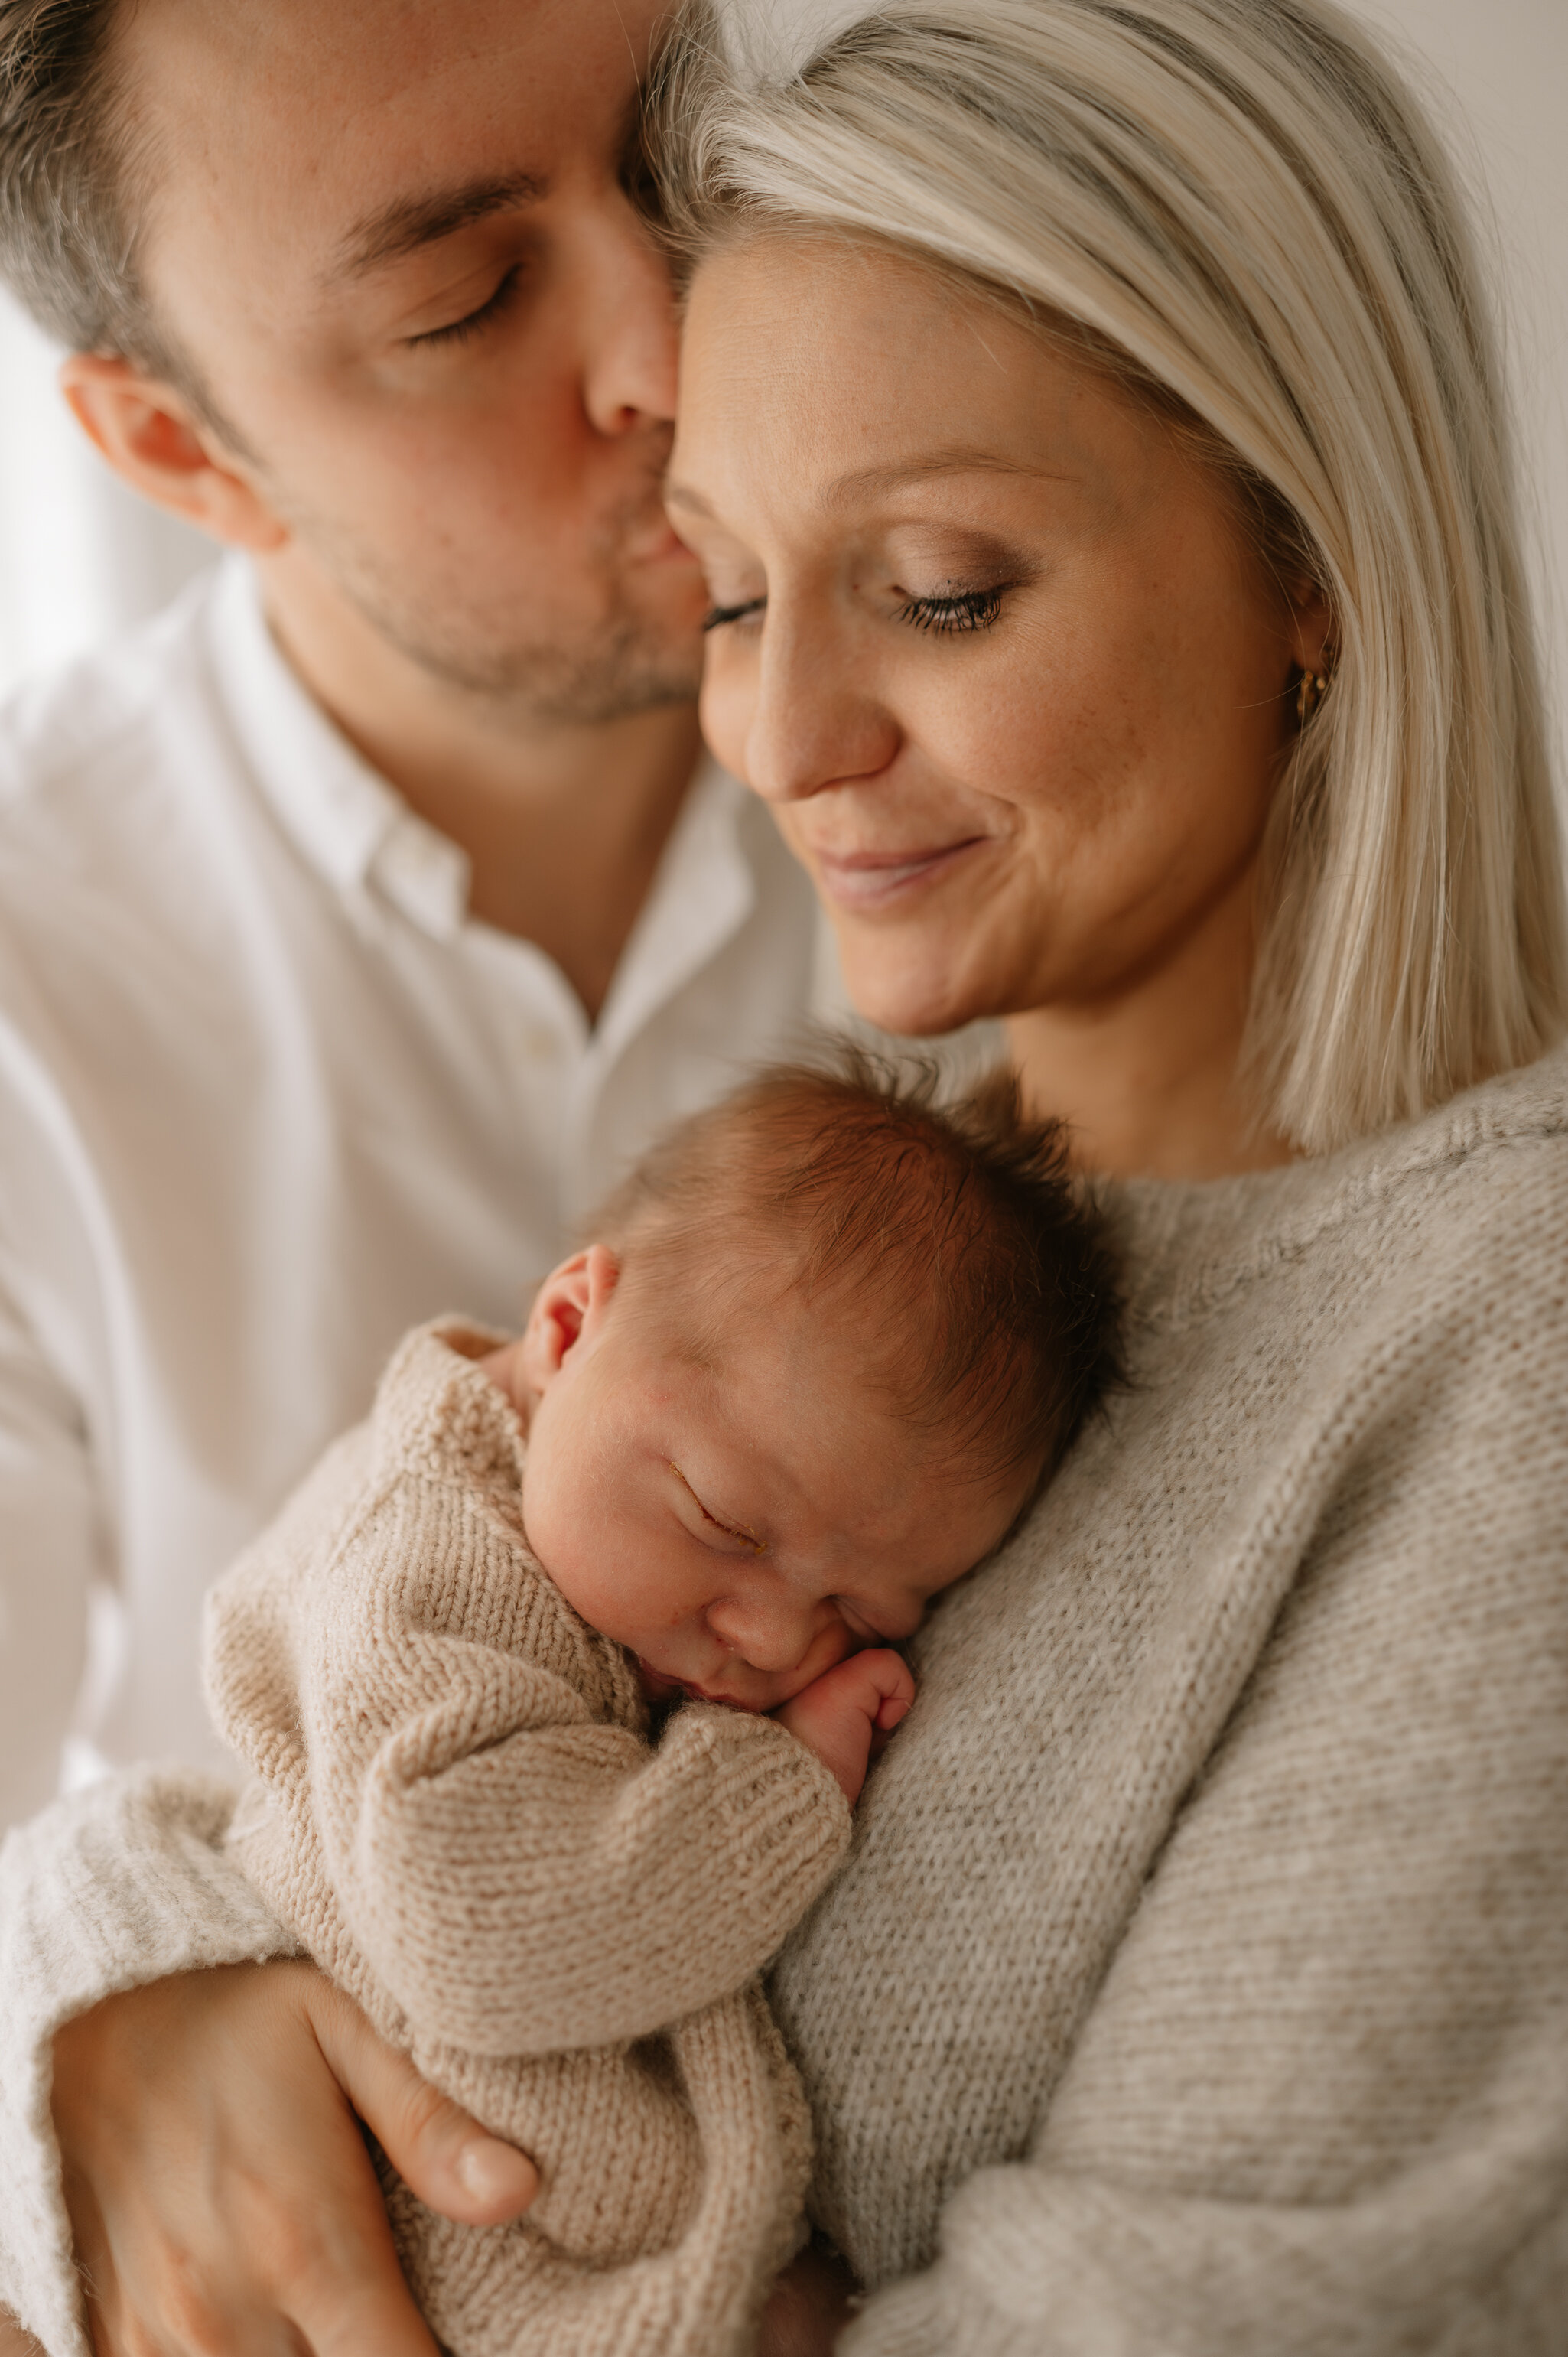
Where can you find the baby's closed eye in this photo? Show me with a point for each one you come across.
(714, 1528)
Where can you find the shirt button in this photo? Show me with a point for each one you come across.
(539, 1045)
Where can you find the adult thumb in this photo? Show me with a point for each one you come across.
(441, 2152)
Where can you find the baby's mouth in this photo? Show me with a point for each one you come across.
(660, 1687)
(656, 1686)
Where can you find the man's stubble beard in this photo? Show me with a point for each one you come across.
(626, 666)
(626, 662)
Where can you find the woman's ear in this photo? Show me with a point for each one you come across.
(568, 1309)
(153, 439)
(1311, 628)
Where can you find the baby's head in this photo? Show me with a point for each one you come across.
(826, 1345)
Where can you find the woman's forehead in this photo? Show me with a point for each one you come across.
(800, 371)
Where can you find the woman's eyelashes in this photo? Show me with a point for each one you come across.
(719, 618)
(945, 613)
(948, 611)
(475, 322)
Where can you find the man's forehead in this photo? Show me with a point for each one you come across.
(376, 43)
(361, 114)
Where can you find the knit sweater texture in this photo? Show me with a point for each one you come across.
(459, 1814)
(1197, 1985)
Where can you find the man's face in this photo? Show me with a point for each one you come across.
(391, 237)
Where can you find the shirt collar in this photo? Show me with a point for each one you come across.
(703, 889)
(356, 829)
(340, 813)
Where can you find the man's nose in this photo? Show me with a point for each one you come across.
(816, 721)
(771, 1633)
(629, 368)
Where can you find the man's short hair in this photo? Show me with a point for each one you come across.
(67, 236)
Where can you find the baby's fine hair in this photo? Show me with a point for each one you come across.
(947, 1240)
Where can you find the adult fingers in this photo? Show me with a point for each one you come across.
(438, 2149)
(322, 2253)
(332, 2322)
(220, 2194)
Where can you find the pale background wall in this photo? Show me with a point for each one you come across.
(79, 557)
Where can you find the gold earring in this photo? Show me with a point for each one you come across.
(1309, 695)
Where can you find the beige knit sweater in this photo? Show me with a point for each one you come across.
(1198, 1982)
(459, 1814)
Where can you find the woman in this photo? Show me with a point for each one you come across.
(1090, 433)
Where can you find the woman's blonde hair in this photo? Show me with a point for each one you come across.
(1239, 203)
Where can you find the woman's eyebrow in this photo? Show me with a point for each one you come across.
(948, 460)
(893, 478)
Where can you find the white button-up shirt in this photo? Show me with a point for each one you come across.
(269, 1096)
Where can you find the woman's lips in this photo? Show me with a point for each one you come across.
(869, 880)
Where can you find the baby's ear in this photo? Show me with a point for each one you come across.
(567, 1307)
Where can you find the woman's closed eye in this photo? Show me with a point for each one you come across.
(946, 613)
(950, 611)
(720, 617)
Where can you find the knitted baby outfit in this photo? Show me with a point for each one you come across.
(1197, 1985)
(459, 1814)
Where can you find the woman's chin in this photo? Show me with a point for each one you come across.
(915, 997)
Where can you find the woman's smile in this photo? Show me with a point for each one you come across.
(867, 880)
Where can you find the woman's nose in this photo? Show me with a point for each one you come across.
(816, 721)
(769, 1633)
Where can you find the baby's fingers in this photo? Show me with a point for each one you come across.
(893, 1707)
(891, 1685)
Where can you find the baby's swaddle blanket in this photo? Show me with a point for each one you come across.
(459, 1812)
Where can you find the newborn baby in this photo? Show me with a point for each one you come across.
(559, 1676)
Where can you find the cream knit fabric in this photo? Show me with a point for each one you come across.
(1198, 1982)
(459, 1814)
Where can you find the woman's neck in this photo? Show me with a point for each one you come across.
(1146, 1075)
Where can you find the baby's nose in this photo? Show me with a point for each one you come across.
(770, 1637)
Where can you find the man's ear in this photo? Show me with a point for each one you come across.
(568, 1309)
(153, 439)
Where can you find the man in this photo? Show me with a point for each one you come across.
(361, 919)
(357, 923)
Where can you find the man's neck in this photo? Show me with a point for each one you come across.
(563, 822)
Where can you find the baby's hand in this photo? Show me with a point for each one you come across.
(838, 1713)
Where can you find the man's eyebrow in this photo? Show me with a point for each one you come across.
(402, 228)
